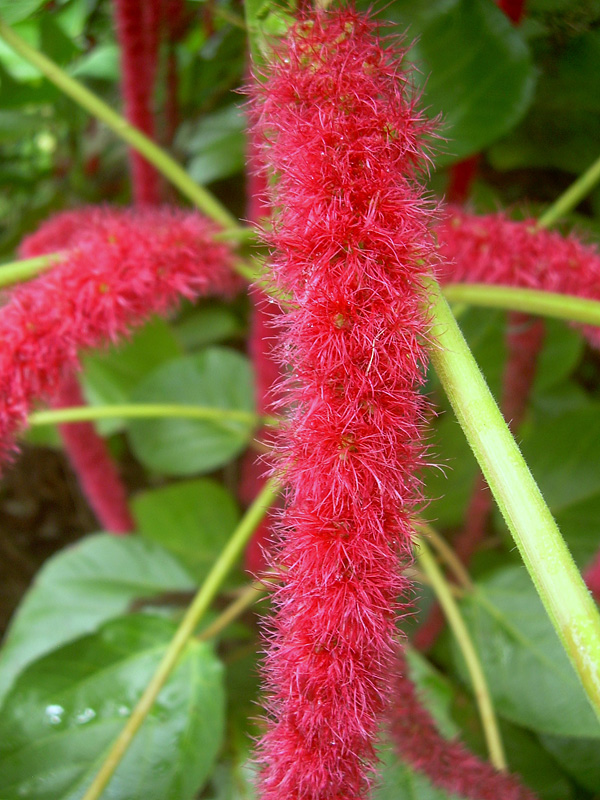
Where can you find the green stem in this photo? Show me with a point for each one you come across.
(532, 301)
(467, 648)
(186, 629)
(151, 152)
(143, 410)
(572, 197)
(542, 548)
(17, 271)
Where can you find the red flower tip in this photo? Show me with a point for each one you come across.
(351, 237)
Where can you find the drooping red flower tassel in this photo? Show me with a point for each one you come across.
(137, 23)
(352, 245)
(120, 268)
(448, 764)
(93, 465)
(497, 250)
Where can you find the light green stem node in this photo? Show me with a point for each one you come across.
(544, 552)
(188, 625)
(467, 648)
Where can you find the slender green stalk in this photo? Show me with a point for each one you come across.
(447, 554)
(542, 548)
(90, 102)
(531, 301)
(467, 648)
(143, 410)
(572, 197)
(17, 271)
(246, 599)
(186, 629)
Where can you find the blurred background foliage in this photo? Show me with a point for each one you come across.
(526, 101)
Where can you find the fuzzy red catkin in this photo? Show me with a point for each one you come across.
(497, 250)
(121, 267)
(352, 244)
(89, 456)
(136, 22)
(86, 450)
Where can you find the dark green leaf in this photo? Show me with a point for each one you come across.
(66, 709)
(192, 519)
(111, 376)
(477, 71)
(218, 145)
(216, 378)
(530, 678)
(12, 11)
(81, 587)
(397, 781)
(579, 757)
(208, 325)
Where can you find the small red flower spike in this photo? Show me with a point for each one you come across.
(497, 250)
(121, 267)
(352, 245)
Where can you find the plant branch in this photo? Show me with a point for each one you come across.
(145, 410)
(542, 548)
(189, 623)
(448, 555)
(571, 198)
(467, 648)
(531, 301)
(98, 108)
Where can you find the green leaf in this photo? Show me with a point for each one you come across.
(101, 62)
(193, 520)
(562, 128)
(208, 325)
(218, 145)
(111, 376)
(65, 710)
(476, 69)
(82, 587)
(397, 781)
(435, 692)
(559, 452)
(578, 757)
(216, 378)
(12, 11)
(530, 678)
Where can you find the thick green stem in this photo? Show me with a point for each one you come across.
(186, 629)
(531, 301)
(572, 197)
(151, 152)
(542, 548)
(467, 648)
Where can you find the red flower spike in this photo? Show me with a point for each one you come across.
(122, 267)
(136, 22)
(352, 241)
(92, 463)
(447, 764)
(496, 250)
